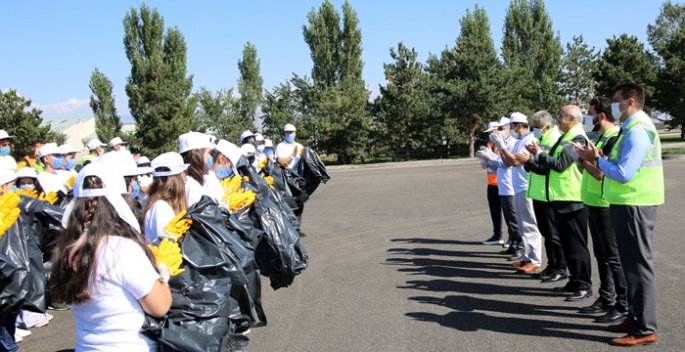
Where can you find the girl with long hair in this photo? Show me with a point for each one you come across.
(195, 148)
(166, 196)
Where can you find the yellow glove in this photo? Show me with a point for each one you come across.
(9, 212)
(263, 163)
(169, 254)
(269, 180)
(70, 182)
(21, 165)
(50, 197)
(28, 192)
(231, 184)
(177, 226)
(240, 199)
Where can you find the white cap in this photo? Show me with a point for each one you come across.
(248, 149)
(67, 149)
(518, 117)
(171, 160)
(258, 137)
(7, 176)
(268, 143)
(246, 134)
(123, 161)
(193, 140)
(492, 125)
(49, 149)
(116, 141)
(143, 160)
(289, 128)
(144, 170)
(231, 151)
(94, 143)
(503, 121)
(4, 135)
(26, 172)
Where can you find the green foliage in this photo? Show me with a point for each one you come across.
(107, 122)
(250, 83)
(577, 83)
(24, 124)
(667, 37)
(158, 89)
(220, 114)
(280, 108)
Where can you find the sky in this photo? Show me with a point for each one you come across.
(50, 48)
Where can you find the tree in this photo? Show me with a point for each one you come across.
(24, 124)
(402, 108)
(219, 114)
(667, 37)
(624, 60)
(532, 53)
(444, 110)
(158, 89)
(107, 122)
(280, 108)
(250, 83)
(577, 82)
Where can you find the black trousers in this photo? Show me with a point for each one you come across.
(572, 227)
(544, 214)
(495, 210)
(509, 211)
(612, 288)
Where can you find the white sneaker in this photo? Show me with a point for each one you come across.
(21, 333)
(17, 339)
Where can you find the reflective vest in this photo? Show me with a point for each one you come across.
(492, 173)
(537, 184)
(565, 186)
(88, 157)
(647, 185)
(591, 191)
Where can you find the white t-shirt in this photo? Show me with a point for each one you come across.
(505, 185)
(213, 186)
(7, 162)
(51, 182)
(195, 191)
(285, 149)
(520, 176)
(112, 318)
(66, 174)
(157, 217)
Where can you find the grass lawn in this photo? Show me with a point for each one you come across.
(675, 138)
(673, 151)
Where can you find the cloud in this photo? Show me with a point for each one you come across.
(72, 106)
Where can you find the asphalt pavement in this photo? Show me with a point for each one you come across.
(396, 264)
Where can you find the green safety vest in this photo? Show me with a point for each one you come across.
(537, 188)
(647, 185)
(88, 157)
(591, 191)
(565, 186)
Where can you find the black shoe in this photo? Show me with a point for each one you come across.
(557, 276)
(517, 257)
(612, 316)
(58, 307)
(597, 307)
(234, 343)
(579, 295)
(562, 289)
(543, 274)
(302, 234)
(508, 251)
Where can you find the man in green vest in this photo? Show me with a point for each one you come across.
(563, 192)
(612, 290)
(634, 187)
(95, 148)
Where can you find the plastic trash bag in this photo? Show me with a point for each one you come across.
(312, 170)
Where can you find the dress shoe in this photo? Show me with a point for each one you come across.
(543, 274)
(597, 307)
(520, 263)
(557, 276)
(631, 340)
(528, 268)
(612, 316)
(625, 326)
(518, 256)
(562, 289)
(509, 251)
(579, 295)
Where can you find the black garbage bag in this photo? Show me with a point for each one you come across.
(280, 195)
(45, 221)
(312, 170)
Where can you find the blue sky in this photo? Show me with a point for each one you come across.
(50, 48)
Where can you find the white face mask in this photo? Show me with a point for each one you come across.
(122, 148)
(145, 181)
(260, 148)
(616, 110)
(503, 134)
(514, 134)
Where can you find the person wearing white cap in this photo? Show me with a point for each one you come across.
(7, 179)
(166, 196)
(95, 147)
(269, 149)
(117, 144)
(143, 161)
(531, 238)
(227, 155)
(104, 268)
(494, 202)
(7, 162)
(288, 152)
(195, 150)
(247, 137)
(249, 152)
(51, 157)
(69, 161)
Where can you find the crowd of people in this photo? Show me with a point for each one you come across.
(116, 250)
(551, 183)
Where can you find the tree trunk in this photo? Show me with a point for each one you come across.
(407, 151)
(448, 148)
(472, 144)
(682, 131)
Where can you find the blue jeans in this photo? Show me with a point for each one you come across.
(7, 329)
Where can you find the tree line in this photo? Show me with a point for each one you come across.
(430, 105)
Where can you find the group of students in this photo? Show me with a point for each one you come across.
(120, 204)
(551, 182)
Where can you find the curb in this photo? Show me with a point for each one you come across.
(400, 164)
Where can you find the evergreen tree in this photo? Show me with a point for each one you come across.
(577, 83)
(444, 106)
(667, 37)
(220, 114)
(158, 88)
(403, 109)
(280, 108)
(24, 124)
(107, 122)
(250, 83)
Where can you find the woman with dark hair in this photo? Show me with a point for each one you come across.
(104, 269)
(166, 196)
(195, 148)
(28, 179)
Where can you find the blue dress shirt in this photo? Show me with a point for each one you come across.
(636, 145)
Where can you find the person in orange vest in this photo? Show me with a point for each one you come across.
(493, 194)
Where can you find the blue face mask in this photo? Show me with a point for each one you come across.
(28, 186)
(136, 188)
(13, 188)
(223, 172)
(492, 139)
(70, 164)
(210, 162)
(289, 138)
(59, 161)
(268, 151)
(5, 151)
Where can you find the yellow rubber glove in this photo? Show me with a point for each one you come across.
(9, 212)
(169, 254)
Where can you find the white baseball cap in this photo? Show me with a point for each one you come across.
(144, 170)
(248, 149)
(49, 149)
(268, 143)
(171, 160)
(123, 161)
(289, 128)
(7, 176)
(504, 121)
(116, 141)
(26, 172)
(193, 140)
(258, 137)
(4, 135)
(67, 149)
(492, 125)
(518, 117)
(231, 151)
(143, 160)
(94, 143)
(246, 134)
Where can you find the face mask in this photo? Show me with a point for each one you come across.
(122, 148)
(616, 110)
(260, 148)
(268, 151)
(13, 188)
(289, 138)
(492, 139)
(27, 186)
(210, 162)
(223, 172)
(514, 134)
(503, 134)
(5, 151)
(136, 188)
(537, 133)
(59, 161)
(145, 181)
(70, 164)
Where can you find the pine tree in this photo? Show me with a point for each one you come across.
(278, 109)
(158, 88)
(250, 83)
(577, 83)
(24, 124)
(107, 122)
(219, 114)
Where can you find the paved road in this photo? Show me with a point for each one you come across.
(397, 265)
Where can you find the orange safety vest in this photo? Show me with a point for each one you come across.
(492, 174)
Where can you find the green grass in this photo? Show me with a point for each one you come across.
(673, 151)
(415, 156)
(675, 138)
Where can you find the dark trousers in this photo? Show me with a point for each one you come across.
(544, 214)
(495, 210)
(613, 288)
(7, 329)
(298, 213)
(572, 227)
(634, 226)
(509, 211)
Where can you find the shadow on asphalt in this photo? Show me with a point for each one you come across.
(434, 241)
